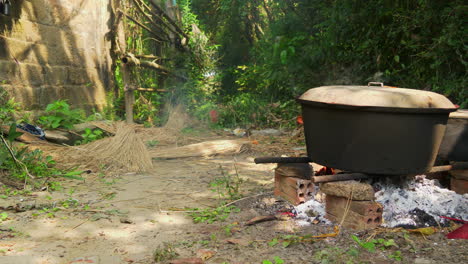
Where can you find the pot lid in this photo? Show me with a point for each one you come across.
(377, 97)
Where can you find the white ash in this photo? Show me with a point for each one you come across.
(310, 211)
(419, 194)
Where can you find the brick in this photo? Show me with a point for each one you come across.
(459, 186)
(294, 190)
(356, 221)
(459, 174)
(349, 189)
(361, 214)
(335, 204)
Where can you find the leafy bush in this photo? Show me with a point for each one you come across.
(10, 110)
(59, 115)
(273, 51)
(23, 165)
(91, 135)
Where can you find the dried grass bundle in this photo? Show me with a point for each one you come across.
(178, 120)
(125, 148)
(124, 152)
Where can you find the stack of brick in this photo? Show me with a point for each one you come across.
(352, 202)
(293, 182)
(459, 181)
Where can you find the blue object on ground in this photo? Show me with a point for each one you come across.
(35, 130)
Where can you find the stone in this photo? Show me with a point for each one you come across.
(80, 128)
(55, 75)
(62, 137)
(423, 261)
(349, 189)
(78, 76)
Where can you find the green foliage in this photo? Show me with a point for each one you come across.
(91, 135)
(369, 246)
(152, 143)
(23, 165)
(164, 252)
(272, 51)
(276, 260)
(380, 243)
(59, 115)
(337, 255)
(227, 186)
(212, 215)
(396, 256)
(3, 216)
(10, 110)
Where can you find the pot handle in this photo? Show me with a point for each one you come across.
(375, 83)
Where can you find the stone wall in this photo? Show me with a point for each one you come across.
(56, 49)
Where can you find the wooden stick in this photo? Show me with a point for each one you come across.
(454, 166)
(149, 57)
(340, 177)
(130, 59)
(151, 90)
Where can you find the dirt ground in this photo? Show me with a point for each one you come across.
(134, 218)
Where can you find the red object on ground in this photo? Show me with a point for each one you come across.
(214, 116)
(459, 233)
(455, 219)
(290, 214)
(299, 120)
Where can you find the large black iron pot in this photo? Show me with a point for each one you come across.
(374, 130)
(454, 146)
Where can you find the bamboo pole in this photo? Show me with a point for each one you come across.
(130, 59)
(151, 90)
(157, 37)
(169, 19)
(148, 17)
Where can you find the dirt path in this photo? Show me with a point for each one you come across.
(126, 219)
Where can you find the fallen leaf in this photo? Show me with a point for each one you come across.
(205, 254)
(427, 231)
